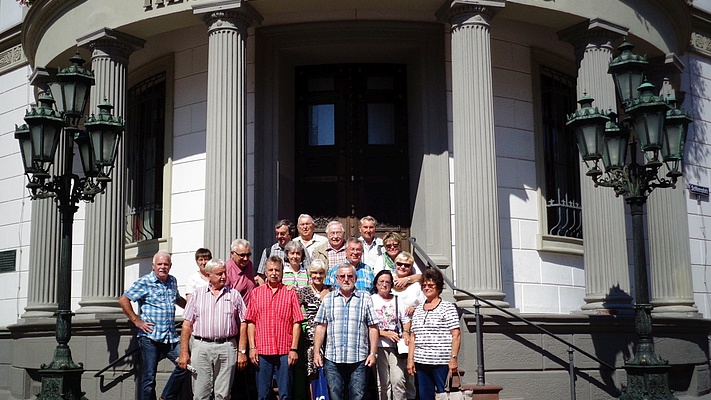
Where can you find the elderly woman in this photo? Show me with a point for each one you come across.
(409, 297)
(434, 338)
(310, 298)
(294, 272)
(391, 242)
(390, 367)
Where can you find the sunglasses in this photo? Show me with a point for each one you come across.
(402, 264)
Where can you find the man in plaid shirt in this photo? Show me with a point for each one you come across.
(156, 294)
(348, 324)
(273, 327)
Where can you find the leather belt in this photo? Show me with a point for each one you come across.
(217, 340)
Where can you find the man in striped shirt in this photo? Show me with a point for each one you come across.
(347, 321)
(214, 316)
(273, 327)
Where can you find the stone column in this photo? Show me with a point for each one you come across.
(226, 136)
(607, 282)
(45, 237)
(105, 223)
(669, 252)
(45, 244)
(478, 261)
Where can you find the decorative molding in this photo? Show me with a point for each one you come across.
(12, 58)
(700, 43)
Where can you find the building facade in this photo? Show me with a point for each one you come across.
(443, 120)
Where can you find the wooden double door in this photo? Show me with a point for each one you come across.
(352, 144)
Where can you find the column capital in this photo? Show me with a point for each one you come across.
(597, 31)
(465, 12)
(227, 14)
(112, 42)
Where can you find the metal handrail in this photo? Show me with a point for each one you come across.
(116, 361)
(480, 349)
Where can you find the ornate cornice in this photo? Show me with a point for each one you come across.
(227, 14)
(700, 43)
(476, 11)
(596, 31)
(12, 58)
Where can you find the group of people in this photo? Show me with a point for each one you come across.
(344, 305)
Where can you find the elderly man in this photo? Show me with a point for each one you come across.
(332, 253)
(274, 324)
(156, 293)
(283, 231)
(307, 237)
(372, 246)
(214, 317)
(354, 253)
(240, 271)
(347, 321)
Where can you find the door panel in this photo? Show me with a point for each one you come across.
(351, 144)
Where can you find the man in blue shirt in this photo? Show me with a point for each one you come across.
(347, 322)
(354, 254)
(156, 294)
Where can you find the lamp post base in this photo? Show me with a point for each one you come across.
(61, 380)
(647, 372)
(61, 384)
(648, 382)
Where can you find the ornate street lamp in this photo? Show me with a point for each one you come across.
(45, 130)
(659, 128)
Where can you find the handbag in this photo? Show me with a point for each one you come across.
(400, 347)
(319, 386)
(451, 392)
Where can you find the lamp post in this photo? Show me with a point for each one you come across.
(658, 134)
(39, 139)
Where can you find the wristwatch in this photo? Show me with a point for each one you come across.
(374, 355)
(244, 351)
(454, 356)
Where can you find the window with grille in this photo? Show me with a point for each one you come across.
(561, 165)
(145, 138)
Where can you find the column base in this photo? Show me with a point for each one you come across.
(670, 308)
(99, 306)
(39, 311)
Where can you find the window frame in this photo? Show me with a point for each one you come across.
(545, 241)
(165, 64)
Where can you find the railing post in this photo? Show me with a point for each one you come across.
(571, 371)
(479, 345)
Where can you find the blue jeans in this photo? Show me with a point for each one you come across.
(340, 376)
(270, 366)
(151, 353)
(431, 379)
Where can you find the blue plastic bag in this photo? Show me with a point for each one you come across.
(319, 387)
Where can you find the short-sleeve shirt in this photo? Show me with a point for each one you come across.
(373, 252)
(365, 277)
(240, 279)
(347, 323)
(157, 302)
(195, 281)
(215, 317)
(297, 279)
(391, 315)
(433, 336)
(274, 315)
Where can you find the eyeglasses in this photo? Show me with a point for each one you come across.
(392, 246)
(242, 255)
(335, 234)
(349, 276)
(428, 285)
(402, 264)
(384, 283)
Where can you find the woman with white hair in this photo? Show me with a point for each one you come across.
(310, 298)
